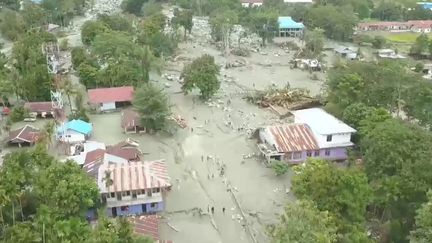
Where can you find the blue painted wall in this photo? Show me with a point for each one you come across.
(137, 209)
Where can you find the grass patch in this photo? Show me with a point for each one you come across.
(405, 37)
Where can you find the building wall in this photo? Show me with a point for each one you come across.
(137, 209)
(334, 154)
(337, 139)
(107, 106)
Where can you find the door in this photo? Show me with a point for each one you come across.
(114, 212)
(144, 208)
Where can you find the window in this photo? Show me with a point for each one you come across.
(143, 192)
(154, 190)
(153, 205)
(329, 138)
(119, 196)
(309, 154)
(134, 194)
(127, 193)
(112, 195)
(327, 152)
(124, 208)
(297, 155)
(316, 153)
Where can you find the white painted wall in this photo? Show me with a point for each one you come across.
(107, 106)
(337, 140)
(71, 136)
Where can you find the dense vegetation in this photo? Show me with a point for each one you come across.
(45, 200)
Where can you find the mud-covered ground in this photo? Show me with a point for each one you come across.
(221, 131)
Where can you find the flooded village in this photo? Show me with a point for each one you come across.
(210, 179)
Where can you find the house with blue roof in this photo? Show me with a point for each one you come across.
(290, 28)
(74, 131)
(425, 5)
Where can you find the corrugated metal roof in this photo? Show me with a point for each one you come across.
(135, 176)
(289, 23)
(292, 138)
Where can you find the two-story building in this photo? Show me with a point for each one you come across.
(315, 133)
(133, 188)
(332, 135)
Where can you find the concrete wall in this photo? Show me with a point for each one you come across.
(137, 209)
(335, 154)
(337, 139)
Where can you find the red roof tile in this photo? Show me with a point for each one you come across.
(115, 94)
(293, 138)
(27, 134)
(146, 225)
(39, 106)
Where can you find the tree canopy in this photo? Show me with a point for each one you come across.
(202, 74)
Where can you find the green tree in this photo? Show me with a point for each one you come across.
(345, 193)
(423, 223)
(388, 11)
(421, 46)
(133, 6)
(116, 22)
(183, 18)
(78, 56)
(397, 163)
(12, 25)
(302, 222)
(153, 107)
(33, 15)
(202, 74)
(379, 42)
(417, 100)
(222, 24)
(337, 22)
(91, 29)
(314, 43)
(150, 8)
(280, 168)
(88, 75)
(264, 23)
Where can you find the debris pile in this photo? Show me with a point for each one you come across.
(288, 98)
(181, 122)
(106, 7)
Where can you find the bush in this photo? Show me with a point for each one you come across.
(280, 168)
(64, 44)
(379, 42)
(18, 113)
(419, 67)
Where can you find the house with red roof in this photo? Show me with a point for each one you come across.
(108, 99)
(42, 109)
(133, 188)
(27, 135)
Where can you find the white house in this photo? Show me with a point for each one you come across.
(329, 131)
(251, 3)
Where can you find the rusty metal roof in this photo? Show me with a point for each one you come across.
(293, 138)
(135, 176)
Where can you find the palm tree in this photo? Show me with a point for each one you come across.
(48, 133)
(69, 89)
(148, 62)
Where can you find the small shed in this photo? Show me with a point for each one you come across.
(74, 131)
(130, 122)
(107, 99)
(349, 53)
(290, 28)
(27, 135)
